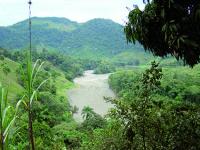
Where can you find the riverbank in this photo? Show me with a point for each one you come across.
(91, 90)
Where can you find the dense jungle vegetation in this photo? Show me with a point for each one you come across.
(157, 102)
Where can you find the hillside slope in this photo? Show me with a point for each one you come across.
(10, 79)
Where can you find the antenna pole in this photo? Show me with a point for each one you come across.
(30, 126)
(30, 34)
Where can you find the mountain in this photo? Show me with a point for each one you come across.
(100, 37)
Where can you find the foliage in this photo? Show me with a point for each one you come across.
(4, 53)
(176, 25)
(87, 112)
(1, 57)
(104, 67)
(8, 115)
(107, 138)
(51, 107)
(178, 83)
(5, 69)
(148, 113)
(72, 67)
(131, 58)
(181, 84)
(30, 76)
(122, 81)
(74, 110)
(93, 122)
(9, 80)
(144, 117)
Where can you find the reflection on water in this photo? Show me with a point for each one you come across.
(90, 92)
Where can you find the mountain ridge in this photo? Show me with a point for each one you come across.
(59, 18)
(96, 37)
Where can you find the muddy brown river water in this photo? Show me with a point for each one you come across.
(90, 91)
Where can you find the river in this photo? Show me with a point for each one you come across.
(90, 91)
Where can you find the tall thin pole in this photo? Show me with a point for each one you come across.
(29, 65)
(30, 35)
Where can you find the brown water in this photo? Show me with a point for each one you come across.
(91, 91)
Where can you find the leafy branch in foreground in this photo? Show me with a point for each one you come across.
(167, 27)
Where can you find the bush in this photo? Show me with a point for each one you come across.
(104, 67)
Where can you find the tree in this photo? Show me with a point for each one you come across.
(74, 109)
(87, 112)
(136, 114)
(167, 27)
(6, 70)
(94, 121)
(2, 57)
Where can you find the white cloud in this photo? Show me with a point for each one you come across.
(12, 11)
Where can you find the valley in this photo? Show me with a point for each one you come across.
(101, 84)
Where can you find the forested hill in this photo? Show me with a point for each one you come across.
(95, 37)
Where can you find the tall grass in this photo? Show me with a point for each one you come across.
(7, 118)
(30, 75)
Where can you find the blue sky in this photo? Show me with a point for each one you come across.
(12, 11)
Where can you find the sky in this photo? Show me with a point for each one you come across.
(13, 11)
